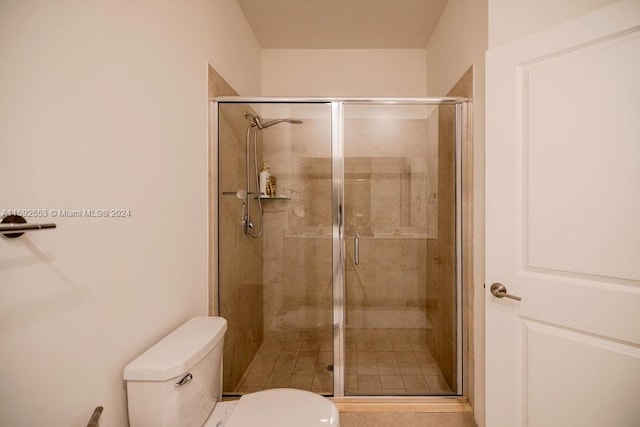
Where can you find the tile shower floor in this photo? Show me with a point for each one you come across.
(400, 368)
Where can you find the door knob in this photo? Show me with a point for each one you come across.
(498, 290)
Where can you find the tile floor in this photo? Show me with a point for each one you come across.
(387, 368)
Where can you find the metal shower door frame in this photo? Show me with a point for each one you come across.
(338, 223)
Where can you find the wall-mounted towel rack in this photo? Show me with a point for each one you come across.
(13, 226)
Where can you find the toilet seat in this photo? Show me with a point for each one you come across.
(280, 407)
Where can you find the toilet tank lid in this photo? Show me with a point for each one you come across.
(179, 351)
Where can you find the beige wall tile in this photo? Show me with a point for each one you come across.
(242, 286)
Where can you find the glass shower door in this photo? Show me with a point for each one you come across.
(345, 279)
(400, 238)
(275, 250)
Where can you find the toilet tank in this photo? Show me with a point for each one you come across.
(178, 381)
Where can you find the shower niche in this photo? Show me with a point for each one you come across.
(349, 283)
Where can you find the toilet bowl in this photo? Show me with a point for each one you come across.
(178, 383)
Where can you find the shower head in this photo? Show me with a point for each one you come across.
(275, 122)
(257, 121)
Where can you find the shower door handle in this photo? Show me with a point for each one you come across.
(356, 249)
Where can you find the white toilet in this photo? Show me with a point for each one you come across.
(178, 383)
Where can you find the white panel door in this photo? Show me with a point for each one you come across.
(563, 224)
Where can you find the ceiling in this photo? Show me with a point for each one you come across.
(343, 24)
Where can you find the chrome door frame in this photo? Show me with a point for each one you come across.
(338, 237)
(339, 253)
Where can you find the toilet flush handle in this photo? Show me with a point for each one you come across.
(185, 380)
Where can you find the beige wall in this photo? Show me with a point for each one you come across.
(460, 41)
(343, 72)
(104, 105)
(510, 20)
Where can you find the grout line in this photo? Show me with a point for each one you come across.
(368, 347)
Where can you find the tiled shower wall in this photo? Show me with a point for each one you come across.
(441, 251)
(441, 254)
(391, 201)
(240, 257)
(297, 238)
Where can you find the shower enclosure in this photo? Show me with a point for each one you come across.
(346, 280)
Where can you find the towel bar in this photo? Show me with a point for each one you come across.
(13, 226)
